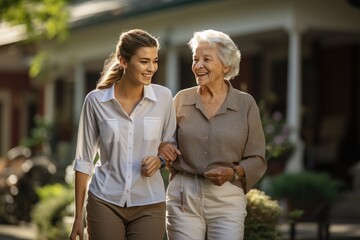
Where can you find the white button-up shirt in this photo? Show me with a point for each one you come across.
(122, 142)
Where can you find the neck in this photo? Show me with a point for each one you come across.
(214, 90)
(126, 90)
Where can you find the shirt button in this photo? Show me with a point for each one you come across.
(127, 191)
(205, 153)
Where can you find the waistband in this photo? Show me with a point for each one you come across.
(187, 174)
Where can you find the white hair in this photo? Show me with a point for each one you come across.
(229, 54)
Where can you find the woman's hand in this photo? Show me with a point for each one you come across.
(169, 152)
(150, 165)
(77, 230)
(219, 175)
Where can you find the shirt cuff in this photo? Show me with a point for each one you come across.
(83, 166)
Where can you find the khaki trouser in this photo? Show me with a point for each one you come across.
(198, 210)
(111, 222)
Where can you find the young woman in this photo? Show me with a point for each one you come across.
(124, 120)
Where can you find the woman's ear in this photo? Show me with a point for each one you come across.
(123, 62)
(226, 70)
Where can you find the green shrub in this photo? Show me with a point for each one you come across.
(304, 187)
(263, 215)
(311, 192)
(48, 213)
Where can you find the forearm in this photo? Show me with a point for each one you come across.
(81, 181)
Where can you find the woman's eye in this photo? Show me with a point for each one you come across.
(143, 62)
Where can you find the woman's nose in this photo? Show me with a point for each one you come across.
(151, 67)
(199, 64)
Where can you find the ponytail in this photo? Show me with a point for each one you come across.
(111, 73)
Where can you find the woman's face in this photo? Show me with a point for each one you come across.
(142, 65)
(207, 66)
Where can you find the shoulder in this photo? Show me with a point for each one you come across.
(243, 96)
(161, 93)
(95, 94)
(186, 96)
(185, 93)
(241, 101)
(159, 89)
(95, 97)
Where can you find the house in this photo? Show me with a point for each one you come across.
(306, 53)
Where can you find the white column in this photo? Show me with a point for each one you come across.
(79, 91)
(172, 69)
(294, 103)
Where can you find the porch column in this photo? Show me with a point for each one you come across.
(293, 111)
(79, 91)
(172, 69)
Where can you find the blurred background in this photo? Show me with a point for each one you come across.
(300, 60)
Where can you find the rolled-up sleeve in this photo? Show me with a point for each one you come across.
(87, 138)
(253, 160)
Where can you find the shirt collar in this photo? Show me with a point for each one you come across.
(149, 93)
(109, 93)
(231, 101)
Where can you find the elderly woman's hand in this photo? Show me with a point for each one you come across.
(169, 152)
(219, 175)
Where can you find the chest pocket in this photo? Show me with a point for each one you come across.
(152, 127)
(109, 130)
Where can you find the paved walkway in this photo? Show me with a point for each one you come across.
(305, 231)
(308, 231)
(17, 232)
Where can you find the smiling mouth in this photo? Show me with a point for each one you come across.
(201, 74)
(147, 76)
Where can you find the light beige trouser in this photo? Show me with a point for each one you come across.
(196, 209)
(111, 222)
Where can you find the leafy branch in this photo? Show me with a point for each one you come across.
(42, 19)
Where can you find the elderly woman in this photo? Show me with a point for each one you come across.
(222, 145)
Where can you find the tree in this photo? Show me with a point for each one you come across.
(42, 19)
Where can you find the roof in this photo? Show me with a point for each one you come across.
(100, 11)
(94, 12)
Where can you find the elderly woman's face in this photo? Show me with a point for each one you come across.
(207, 66)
